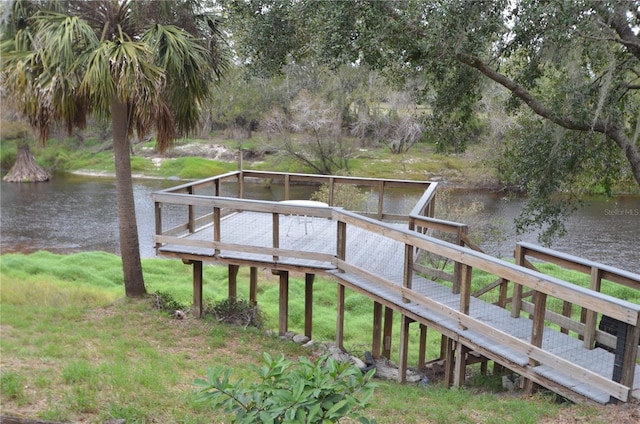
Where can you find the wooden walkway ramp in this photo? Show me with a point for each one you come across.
(517, 329)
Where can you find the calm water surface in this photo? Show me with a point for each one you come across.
(77, 213)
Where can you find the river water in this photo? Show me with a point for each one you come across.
(77, 213)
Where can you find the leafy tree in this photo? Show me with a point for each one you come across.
(141, 64)
(320, 391)
(573, 65)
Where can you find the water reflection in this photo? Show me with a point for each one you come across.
(77, 213)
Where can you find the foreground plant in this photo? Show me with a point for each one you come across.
(320, 391)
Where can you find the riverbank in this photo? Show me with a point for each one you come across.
(200, 158)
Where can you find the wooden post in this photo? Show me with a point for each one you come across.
(341, 248)
(537, 331)
(233, 282)
(283, 319)
(465, 291)
(423, 346)
(460, 365)
(404, 348)
(408, 269)
(276, 234)
(287, 186)
(332, 184)
(592, 316)
(308, 304)
(191, 224)
(340, 318)
(457, 267)
(377, 330)
(380, 199)
(516, 302)
(158, 210)
(388, 330)
(504, 289)
(449, 360)
(197, 288)
(567, 307)
(253, 285)
(241, 184)
(624, 364)
(216, 228)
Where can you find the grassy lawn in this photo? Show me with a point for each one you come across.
(74, 350)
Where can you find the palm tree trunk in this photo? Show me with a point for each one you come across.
(129, 243)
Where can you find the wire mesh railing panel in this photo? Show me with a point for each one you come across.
(376, 254)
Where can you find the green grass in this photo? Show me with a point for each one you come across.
(73, 349)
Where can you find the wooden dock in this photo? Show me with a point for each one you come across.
(383, 261)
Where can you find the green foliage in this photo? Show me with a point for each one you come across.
(320, 391)
(165, 301)
(194, 168)
(346, 196)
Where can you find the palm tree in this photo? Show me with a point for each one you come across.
(142, 64)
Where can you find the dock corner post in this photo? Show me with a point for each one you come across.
(197, 287)
(283, 316)
(308, 304)
(625, 354)
(233, 282)
(377, 330)
(340, 318)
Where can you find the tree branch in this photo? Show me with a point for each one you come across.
(618, 21)
(609, 128)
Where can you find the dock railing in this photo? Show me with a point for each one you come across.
(181, 213)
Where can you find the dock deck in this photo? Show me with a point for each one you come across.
(379, 261)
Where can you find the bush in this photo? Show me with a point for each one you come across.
(237, 312)
(312, 392)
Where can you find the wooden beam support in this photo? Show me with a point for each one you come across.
(197, 288)
(233, 282)
(253, 285)
(404, 348)
(308, 304)
(388, 330)
(340, 318)
(377, 330)
(460, 366)
(283, 316)
(423, 346)
(449, 360)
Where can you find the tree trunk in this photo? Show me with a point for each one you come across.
(127, 224)
(26, 169)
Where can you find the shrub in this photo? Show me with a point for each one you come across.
(317, 391)
(237, 312)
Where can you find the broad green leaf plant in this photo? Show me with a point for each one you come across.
(319, 391)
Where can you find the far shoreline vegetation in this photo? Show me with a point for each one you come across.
(90, 153)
